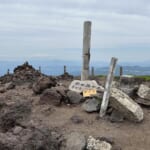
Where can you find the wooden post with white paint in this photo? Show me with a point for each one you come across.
(108, 85)
(86, 50)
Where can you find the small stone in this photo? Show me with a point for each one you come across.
(75, 141)
(116, 116)
(17, 130)
(91, 105)
(76, 119)
(74, 97)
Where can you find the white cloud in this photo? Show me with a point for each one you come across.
(27, 25)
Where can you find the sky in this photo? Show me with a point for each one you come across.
(53, 29)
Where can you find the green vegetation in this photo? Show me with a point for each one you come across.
(146, 77)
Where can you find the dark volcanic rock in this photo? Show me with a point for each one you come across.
(74, 97)
(131, 81)
(22, 73)
(76, 119)
(91, 105)
(25, 73)
(116, 116)
(50, 96)
(43, 83)
(65, 76)
(6, 78)
(15, 114)
(31, 138)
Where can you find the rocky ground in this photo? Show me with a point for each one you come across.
(39, 112)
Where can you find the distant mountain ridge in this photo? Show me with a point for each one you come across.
(55, 67)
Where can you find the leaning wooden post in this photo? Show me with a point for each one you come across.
(65, 69)
(86, 50)
(108, 85)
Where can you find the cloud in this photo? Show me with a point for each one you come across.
(29, 26)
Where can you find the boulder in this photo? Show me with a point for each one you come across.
(74, 97)
(62, 91)
(124, 104)
(95, 144)
(42, 84)
(75, 141)
(91, 105)
(50, 96)
(144, 92)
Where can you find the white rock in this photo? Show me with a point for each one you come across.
(124, 104)
(144, 92)
(93, 144)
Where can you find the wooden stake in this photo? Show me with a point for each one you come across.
(108, 85)
(65, 69)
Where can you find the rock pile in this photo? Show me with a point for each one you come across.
(22, 73)
(25, 73)
(65, 76)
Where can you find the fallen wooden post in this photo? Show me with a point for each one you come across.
(86, 50)
(108, 85)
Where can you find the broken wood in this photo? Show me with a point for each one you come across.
(108, 85)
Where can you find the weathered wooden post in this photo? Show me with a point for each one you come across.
(8, 72)
(65, 68)
(108, 85)
(40, 69)
(121, 71)
(86, 50)
(92, 72)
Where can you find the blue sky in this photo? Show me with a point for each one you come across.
(53, 29)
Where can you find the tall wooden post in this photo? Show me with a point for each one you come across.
(108, 85)
(86, 50)
(65, 69)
